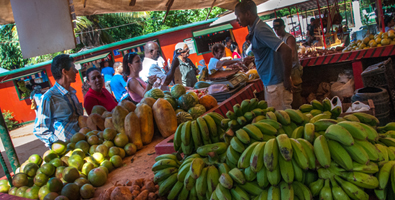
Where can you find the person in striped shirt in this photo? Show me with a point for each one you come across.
(57, 116)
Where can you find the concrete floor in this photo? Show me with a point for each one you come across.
(25, 144)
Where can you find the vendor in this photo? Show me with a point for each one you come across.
(187, 68)
(216, 64)
(57, 116)
(389, 22)
(136, 87)
(97, 94)
(151, 67)
(272, 56)
(297, 68)
(228, 50)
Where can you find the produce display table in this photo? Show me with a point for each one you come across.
(355, 57)
(255, 86)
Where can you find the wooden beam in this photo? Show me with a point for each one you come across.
(212, 5)
(168, 5)
(132, 2)
(84, 2)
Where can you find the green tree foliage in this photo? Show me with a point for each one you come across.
(10, 50)
(96, 30)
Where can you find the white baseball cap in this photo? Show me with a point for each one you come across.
(180, 45)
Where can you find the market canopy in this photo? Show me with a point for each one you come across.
(94, 7)
(272, 5)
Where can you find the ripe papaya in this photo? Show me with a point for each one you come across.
(165, 117)
(118, 118)
(144, 113)
(133, 130)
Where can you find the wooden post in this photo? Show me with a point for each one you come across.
(300, 27)
(292, 23)
(275, 13)
(381, 15)
(322, 25)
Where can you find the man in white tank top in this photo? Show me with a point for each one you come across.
(297, 69)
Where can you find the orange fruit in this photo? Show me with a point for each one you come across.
(391, 34)
(366, 40)
(378, 40)
(379, 45)
(371, 36)
(384, 36)
(372, 43)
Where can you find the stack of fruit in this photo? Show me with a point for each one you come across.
(371, 41)
(187, 105)
(271, 154)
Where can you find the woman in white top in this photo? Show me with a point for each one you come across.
(216, 63)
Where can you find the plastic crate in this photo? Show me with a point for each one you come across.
(381, 75)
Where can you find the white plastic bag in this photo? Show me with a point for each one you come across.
(335, 101)
(358, 107)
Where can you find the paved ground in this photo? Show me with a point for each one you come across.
(25, 144)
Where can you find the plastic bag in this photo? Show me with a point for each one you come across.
(343, 90)
(335, 101)
(358, 107)
(216, 88)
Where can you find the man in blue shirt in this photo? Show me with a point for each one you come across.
(272, 57)
(57, 116)
(107, 72)
(118, 83)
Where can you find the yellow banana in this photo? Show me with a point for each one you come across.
(314, 113)
(271, 115)
(256, 160)
(306, 108)
(308, 131)
(340, 134)
(318, 117)
(266, 128)
(351, 117)
(274, 193)
(367, 119)
(284, 146)
(322, 152)
(309, 149)
(286, 169)
(323, 124)
(270, 154)
(196, 167)
(300, 155)
(340, 155)
(282, 117)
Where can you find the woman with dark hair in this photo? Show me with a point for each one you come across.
(228, 48)
(389, 22)
(135, 86)
(216, 63)
(97, 94)
(235, 49)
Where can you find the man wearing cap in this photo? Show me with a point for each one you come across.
(271, 56)
(297, 68)
(187, 68)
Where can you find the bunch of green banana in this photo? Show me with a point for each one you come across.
(205, 130)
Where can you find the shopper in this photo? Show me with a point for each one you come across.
(389, 22)
(97, 94)
(245, 46)
(216, 64)
(271, 56)
(187, 68)
(57, 116)
(107, 72)
(235, 49)
(151, 67)
(118, 84)
(136, 87)
(297, 68)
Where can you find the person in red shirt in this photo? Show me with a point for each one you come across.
(97, 94)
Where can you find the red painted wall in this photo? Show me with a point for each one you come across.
(21, 109)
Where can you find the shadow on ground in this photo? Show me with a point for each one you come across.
(24, 151)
